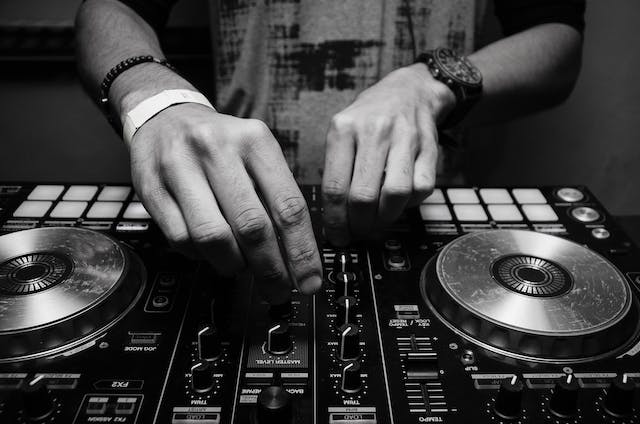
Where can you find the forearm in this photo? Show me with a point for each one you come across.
(526, 72)
(109, 32)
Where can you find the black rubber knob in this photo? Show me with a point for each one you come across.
(201, 377)
(346, 307)
(38, 402)
(351, 378)
(342, 262)
(278, 339)
(345, 284)
(509, 400)
(209, 347)
(564, 398)
(274, 406)
(349, 345)
(619, 399)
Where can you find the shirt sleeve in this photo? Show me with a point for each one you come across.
(519, 15)
(154, 12)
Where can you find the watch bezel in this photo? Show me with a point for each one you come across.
(442, 68)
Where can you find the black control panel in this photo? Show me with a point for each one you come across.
(195, 348)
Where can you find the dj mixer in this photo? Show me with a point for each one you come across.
(484, 305)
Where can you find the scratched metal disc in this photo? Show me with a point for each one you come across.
(59, 286)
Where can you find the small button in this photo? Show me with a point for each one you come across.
(160, 301)
(32, 209)
(102, 210)
(503, 213)
(397, 261)
(585, 214)
(539, 213)
(80, 192)
(436, 197)
(435, 213)
(136, 210)
(46, 192)
(462, 195)
(392, 245)
(68, 209)
(570, 194)
(528, 195)
(470, 213)
(600, 233)
(114, 193)
(126, 406)
(96, 408)
(495, 196)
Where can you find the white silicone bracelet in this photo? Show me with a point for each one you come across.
(150, 107)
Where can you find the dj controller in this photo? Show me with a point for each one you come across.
(483, 305)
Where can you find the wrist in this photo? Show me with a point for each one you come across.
(437, 96)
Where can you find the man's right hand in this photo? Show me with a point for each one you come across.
(221, 184)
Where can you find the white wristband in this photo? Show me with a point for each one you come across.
(150, 107)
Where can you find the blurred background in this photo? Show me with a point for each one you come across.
(51, 131)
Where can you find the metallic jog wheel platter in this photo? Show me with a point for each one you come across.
(531, 296)
(60, 288)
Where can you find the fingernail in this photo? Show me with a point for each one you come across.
(310, 285)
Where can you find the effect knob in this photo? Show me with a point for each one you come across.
(509, 400)
(201, 377)
(564, 399)
(278, 339)
(346, 310)
(349, 346)
(351, 379)
(342, 262)
(345, 284)
(619, 399)
(274, 406)
(37, 400)
(209, 348)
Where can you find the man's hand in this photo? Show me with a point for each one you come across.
(221, 184)
(382, 151)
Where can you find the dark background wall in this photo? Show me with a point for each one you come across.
(51, 131)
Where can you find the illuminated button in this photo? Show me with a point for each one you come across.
(462, 195)
(469, 213)
(570, 194)
(32, 209)
(135, 210)
(528, 195)
(126, 406)
(495, 196)
(104, 210)
(585, 214)
(114, 193)
(68, 210)
(504, 213)
(539, 213)
(96, 408)
(435, 213)
(46, 192)
(80, 192)
(435, 197)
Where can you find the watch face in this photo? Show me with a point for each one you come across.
(457, 67)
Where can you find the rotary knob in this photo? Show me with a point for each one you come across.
(564, 399)
(201, 377)
(509, 400)
(209, 347)
(351, 378)
(345, 310)
(342, 262)
(345, 284)
(274, 406)
(349, 346)
(278, 339)
(38, 403)
(619, 399)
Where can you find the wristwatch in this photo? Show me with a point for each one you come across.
(460, 75)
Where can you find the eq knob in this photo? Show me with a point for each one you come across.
(564, 399)
(274, 406)
(349, 345)
(278, 339)
(619, 399)
(345, 310)
(342, 262)
(38, 403)
(345, 284)
(351, 379)
(201, 377)
(209, 348)
(509, 400)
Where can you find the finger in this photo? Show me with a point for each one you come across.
(289, 213)
(208, 230)
(424, 172)
(366, 182)
(398, 180)
(336, 180)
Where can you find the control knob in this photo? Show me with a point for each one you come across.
(274, 406)
(209, 343)
(349, 346)
(564, 399)
(509, 400)
(351, 379)
(345, 310)
(619, 399)
(345, 284)
(201, 377)
(37, 400)
(342, 262)
(279, 339)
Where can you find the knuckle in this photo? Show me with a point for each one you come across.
(303, 256)
(291, 210)
(252, 225)
(363, 195)
(201, 131)
(424, 186)
(211, 233)
(342, 121)
(257, 129)
(334, 192)
(377, 125)
(178, 238)
(272, 275)
(396, 191)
